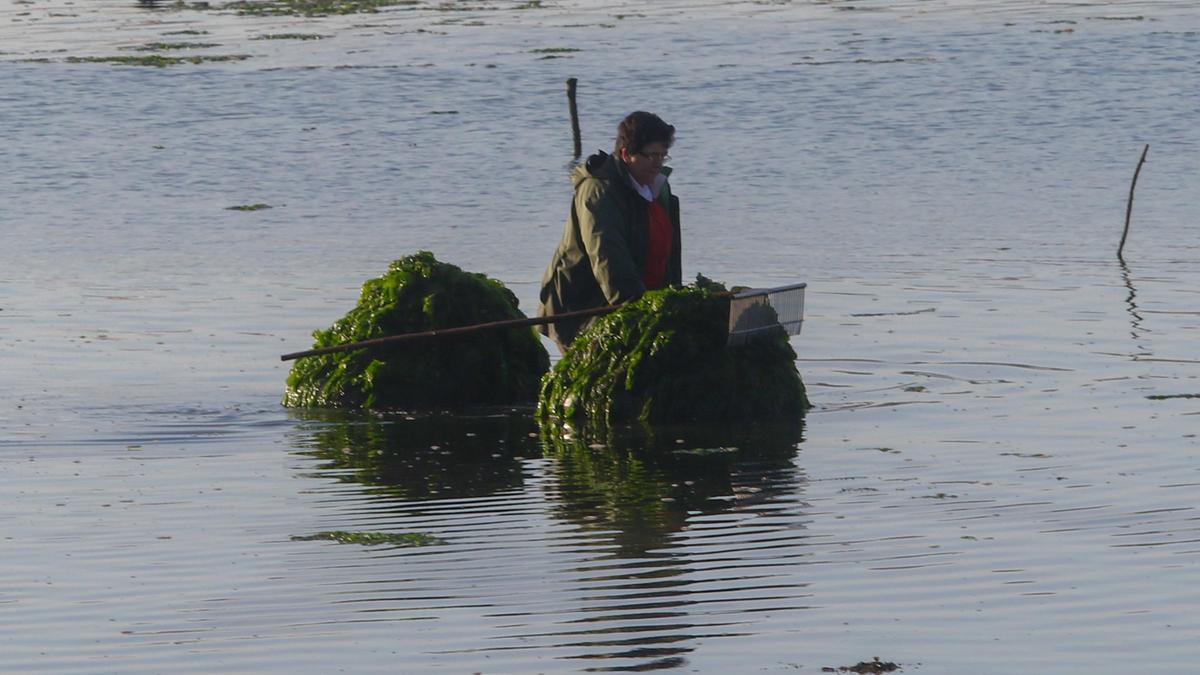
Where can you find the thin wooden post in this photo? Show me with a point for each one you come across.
(574, 116)
(1129, 207)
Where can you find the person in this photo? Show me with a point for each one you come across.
(622, 236)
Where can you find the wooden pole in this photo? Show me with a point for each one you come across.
(1129, 207)
(444, 332)
(464, 330)
(574, 116)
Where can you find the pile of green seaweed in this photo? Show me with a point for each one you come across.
(664, 358)
(420, 293)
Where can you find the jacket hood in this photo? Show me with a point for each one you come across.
(604, 166)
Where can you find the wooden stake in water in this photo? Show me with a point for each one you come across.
(574, 117)
(1129, 207)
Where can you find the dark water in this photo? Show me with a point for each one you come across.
(998, 476)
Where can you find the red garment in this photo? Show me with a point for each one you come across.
(654, 272)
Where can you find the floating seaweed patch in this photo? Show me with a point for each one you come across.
(291, 36)
(312, 8)
(168, 46)
(909, 313)
(810, 61)
(157, 60)
(374, 538)
(872, 667)
(554, 53)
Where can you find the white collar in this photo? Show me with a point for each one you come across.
(648, 192)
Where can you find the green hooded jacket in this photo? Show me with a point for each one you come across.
(603, 248)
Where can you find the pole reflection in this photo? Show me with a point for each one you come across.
(1135, 318)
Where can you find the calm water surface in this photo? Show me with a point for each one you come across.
(1000, 473)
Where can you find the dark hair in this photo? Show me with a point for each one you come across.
(640, 129)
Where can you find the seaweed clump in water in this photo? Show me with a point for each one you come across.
(374, 538)
(664, 358)
(311, 8)
(420, 293)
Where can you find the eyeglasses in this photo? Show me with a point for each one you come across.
(655, 156)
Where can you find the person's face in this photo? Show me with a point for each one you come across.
(646, 163)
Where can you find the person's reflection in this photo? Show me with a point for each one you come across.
(417, 458)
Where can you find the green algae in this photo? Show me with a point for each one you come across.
(312, 8)
(291, 36)
(419, 293)
(554, 52)
(157, 60)
(663, 358)
(168, 46)
(873, 667)
(373, 538)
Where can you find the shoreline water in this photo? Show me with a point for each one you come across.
(60, 30)
(997, 475)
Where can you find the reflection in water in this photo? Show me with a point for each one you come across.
(644, 484)
(642, 489)
(425, 457)
(621, 550)
(1135, 330)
